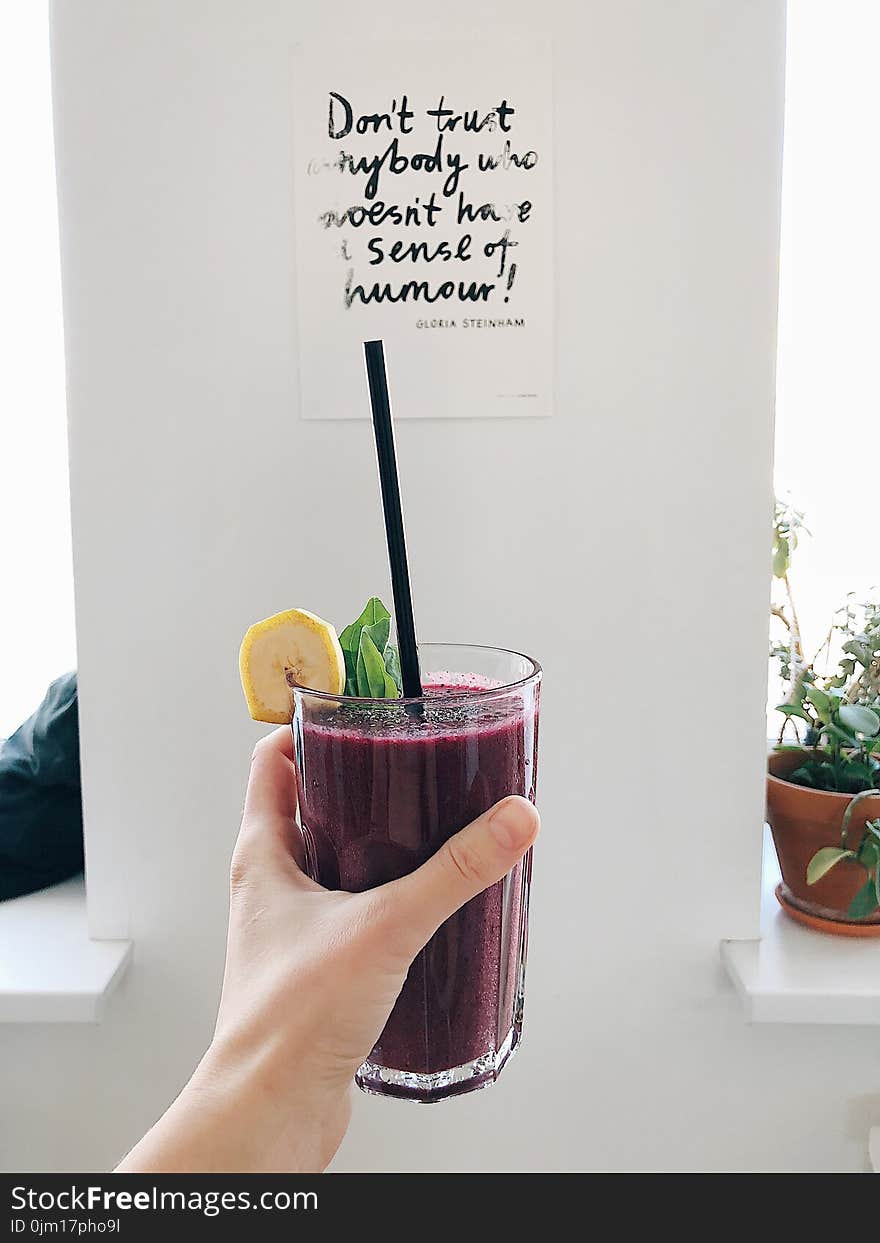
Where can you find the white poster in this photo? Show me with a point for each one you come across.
(423, 216)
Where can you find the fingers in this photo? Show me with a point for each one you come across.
(268, 825)
(272, 783)
(468, 863)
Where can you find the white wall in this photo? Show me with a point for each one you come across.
(622, 541)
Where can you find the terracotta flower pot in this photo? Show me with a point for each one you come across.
(803, 821)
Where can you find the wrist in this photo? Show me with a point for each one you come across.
(240, 1113)
(282, 1117)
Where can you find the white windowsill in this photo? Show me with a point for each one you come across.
(795, 975)
(50, 970)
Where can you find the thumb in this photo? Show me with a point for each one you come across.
(471, 861)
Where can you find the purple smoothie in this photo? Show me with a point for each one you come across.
(381, 789)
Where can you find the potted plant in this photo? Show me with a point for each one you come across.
(823, 801)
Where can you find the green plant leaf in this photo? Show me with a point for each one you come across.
(817, 775)
(853, 803)
(861, 651)
(836, 732)
(869, 853)
(821, 702)
(865, 902)
(824, 860)
(827, 776)
(803, 776)
(795, 710)
(370, 668)
(781, 557)
(856, 777)
(859, 720)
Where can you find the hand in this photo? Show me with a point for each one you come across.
(311, 977)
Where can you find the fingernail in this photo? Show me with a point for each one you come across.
(512, 823)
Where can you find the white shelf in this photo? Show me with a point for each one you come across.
(795, 975)
(50, 970)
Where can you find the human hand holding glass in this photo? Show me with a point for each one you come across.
(311, 978)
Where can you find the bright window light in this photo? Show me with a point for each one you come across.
(828, 395)
(37, 640)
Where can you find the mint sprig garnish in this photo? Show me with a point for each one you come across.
(372, 665)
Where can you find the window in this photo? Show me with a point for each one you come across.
(828, 396)
(37, 640)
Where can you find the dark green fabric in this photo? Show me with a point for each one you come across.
(41, 838)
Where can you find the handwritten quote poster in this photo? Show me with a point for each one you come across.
(423, 216)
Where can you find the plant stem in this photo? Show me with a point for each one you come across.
(847, 815)
(799, 665)
(826, 645)
(862, 681)
(795, 627)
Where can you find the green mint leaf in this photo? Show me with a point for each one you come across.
(362, 681)
(350, 638)
(374, 614)
(379, 632)
(392, 668)
(349, 641)
(370, 668)
(350, 659)
(374, 611)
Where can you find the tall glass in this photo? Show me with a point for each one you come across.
(382, 784)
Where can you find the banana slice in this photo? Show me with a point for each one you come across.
(295, 643)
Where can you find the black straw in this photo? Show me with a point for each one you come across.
(383, 427)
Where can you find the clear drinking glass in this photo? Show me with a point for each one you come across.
(382, 784)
